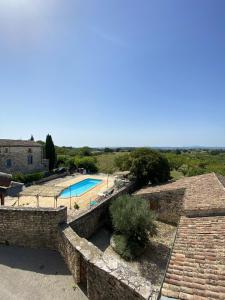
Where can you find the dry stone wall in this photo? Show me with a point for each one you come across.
(105, 279)
(30, 227)
(167, 204)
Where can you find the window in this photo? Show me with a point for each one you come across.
(30, 159)
(8, 163)
(6, 150)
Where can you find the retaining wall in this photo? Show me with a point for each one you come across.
(167, 204)
(104, 278)
(30, 227)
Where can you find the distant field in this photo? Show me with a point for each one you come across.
(196, 163)
(105, 162)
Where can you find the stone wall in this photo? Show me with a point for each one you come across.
(19, 159)
(89, 222)
(167, 204)
(105, 278)
(31, 227)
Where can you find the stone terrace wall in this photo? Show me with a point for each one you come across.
(89, 222)
(167, 204)
(105, 279)
(31, 227)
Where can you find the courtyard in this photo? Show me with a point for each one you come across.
(35, 274)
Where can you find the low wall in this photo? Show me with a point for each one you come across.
(51, 177)
(167, 204)
(89, 222)
(30, 227)
(104, 278)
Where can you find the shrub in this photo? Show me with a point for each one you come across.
(76, 206)
(123, 162)
(26, 178)
(88, 163)
(133, 222)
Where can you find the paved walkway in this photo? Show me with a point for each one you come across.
(33, 274)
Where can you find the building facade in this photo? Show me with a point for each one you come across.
(19, 156)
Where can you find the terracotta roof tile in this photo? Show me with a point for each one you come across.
(18, 143)
(197, 266)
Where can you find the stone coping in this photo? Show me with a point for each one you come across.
(32, 209)
(94, 256)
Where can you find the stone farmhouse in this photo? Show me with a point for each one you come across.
(18, 156)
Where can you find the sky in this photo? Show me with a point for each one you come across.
(113, 72)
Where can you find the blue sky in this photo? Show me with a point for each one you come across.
(113, 73)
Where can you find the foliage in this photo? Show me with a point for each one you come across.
(50, 152)
(87, 162)
(76, 206)
(105, 162)
(84, 151)
(133, 222)
(127, 248)
(149, 166)
(108, 150)
(197, 162)
(32, 137)
(27, 178)
(123, 162)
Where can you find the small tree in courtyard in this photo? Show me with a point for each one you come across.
(133, 223)
(50, 152)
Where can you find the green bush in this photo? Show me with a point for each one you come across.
(127, 248)
(88, 163)
(123, 162)
(27, 178)
(133, 222)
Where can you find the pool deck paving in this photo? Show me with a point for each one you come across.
(49, 190)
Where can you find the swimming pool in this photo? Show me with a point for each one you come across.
(80, 187)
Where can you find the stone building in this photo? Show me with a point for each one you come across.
(19, 156)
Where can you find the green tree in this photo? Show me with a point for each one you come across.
(32, 137)
(133, 223)
(123, 162)
(88, 163)
(149, 166)
(50, 152)
(85, 151)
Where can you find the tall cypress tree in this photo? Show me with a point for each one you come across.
(50, 152)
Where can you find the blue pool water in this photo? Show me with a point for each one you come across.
(80, 188)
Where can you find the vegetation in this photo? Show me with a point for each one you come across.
(133, 223)
(50, 152)
(182, 162)
(149, 166)
(195, 162)
(27, 178)
(88, 163)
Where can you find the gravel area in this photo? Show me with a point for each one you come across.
(152, 263)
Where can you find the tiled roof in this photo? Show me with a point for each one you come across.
(18, 143)
(197, 266)
(196, 269)
(204, 194)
